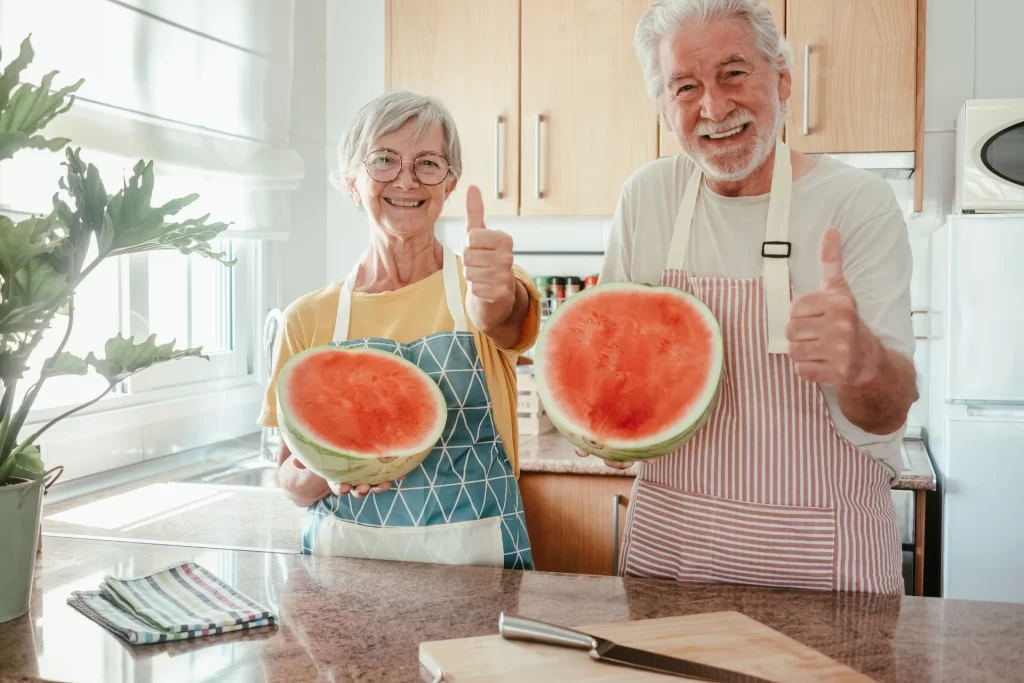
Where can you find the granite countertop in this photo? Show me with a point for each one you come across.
(353, 620)
(552, 453)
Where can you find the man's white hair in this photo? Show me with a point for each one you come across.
(665, 17)
(386, 114)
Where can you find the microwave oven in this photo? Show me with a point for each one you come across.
(990, 157)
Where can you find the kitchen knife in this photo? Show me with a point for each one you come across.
(520, 628)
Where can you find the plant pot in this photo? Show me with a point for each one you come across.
(21, 505)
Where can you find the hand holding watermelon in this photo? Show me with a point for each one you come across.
(360, 490)
(487, 263)
(828, 341)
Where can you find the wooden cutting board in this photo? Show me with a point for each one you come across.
(726, 639)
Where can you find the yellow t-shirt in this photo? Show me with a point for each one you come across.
(405, 315)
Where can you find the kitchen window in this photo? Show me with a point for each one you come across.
(189, 299)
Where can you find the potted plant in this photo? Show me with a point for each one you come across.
(43, 259)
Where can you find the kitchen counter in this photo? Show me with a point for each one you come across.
(350, 620)
(551, 452)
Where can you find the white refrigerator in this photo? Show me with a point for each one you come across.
(976, 403)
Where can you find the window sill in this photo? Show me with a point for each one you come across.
(130, 429)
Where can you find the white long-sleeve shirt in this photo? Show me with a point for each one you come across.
(726, 241)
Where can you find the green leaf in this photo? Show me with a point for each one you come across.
(12, 74)
(13, 142)
(38, 283)
(12, 366)
(22, 242)
(27, 463)
(125, 357)
(135, 225)
(31, 108)
(16, 318)
(65, 364)
(82, 181)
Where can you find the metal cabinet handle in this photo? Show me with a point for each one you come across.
(807, 88)
(536, 158)
(616, 500)
(497, 156)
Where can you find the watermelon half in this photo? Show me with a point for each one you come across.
(629, 371)
(358, 415)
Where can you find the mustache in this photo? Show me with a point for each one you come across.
(733, 120)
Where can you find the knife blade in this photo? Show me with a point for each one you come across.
(603, 650)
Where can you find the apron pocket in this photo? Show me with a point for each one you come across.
(695, 537)
(476, 542)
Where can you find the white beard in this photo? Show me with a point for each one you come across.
(733, 168)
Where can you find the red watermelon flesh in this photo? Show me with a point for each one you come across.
(361, 402)
(629, 366)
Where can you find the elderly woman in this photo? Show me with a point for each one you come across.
(400, 159)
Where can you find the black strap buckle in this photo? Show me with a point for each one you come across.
(787, 245)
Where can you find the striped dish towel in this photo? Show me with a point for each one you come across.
(179, 602)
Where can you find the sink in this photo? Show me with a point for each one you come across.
(255, 471)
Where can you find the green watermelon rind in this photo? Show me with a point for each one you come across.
(353, 468)
(666, 441)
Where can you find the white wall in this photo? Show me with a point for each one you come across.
(355, 75)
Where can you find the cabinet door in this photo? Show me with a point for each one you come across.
(667, 145)
(861, 79)
(596, 123)
(570, 520)
(466, 53)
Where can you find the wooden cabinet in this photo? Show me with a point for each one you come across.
(572, 64)
(667, 145)
(854, 75)
(570, 519)
(466, 53)
(587, 120)
(554, 116)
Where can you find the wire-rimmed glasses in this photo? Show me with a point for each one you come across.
(384, 165)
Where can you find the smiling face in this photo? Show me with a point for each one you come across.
(404, 206)
(722, 100)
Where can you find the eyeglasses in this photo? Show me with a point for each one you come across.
(384, 165)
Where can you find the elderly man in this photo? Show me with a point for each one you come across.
(806, 264)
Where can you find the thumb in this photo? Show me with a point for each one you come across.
(831, 259)
(474, 209)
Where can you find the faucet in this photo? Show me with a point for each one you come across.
(270, 438)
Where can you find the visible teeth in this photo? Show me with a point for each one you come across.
(726, 134)
(399, 202)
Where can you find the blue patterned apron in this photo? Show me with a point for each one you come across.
(462, 504)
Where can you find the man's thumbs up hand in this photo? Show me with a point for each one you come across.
(828, 342)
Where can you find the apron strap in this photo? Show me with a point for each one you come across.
(452, 292)
(684, 220)
(775, 249)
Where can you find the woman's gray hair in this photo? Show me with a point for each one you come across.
(386, 114)
(665, 17)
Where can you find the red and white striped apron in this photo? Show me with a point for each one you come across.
(768, 492)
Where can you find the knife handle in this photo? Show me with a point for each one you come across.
(520, 628)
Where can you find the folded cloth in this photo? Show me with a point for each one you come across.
(179, 602)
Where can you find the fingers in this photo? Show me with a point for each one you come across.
(814, 371)
(480, 242)
(814, 350)
(474, 210)
(831, 259)
(618, 465)
(810, 305)
(362, 489)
